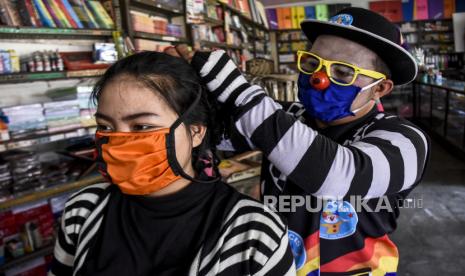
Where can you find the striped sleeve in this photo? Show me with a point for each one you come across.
(253, 241)
(73, 221)
(390, 158)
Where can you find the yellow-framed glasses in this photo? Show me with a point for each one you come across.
(339, 72)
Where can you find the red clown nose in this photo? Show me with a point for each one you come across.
(320, 80)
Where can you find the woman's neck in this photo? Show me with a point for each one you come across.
(175, 186)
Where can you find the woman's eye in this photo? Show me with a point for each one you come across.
(103, 128)
(143, 127)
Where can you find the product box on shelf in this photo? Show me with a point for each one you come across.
(25, 229)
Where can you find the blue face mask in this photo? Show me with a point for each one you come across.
(330, 104)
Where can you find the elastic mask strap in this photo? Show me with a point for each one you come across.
(366, 89)
(370, 85)
(171, 145)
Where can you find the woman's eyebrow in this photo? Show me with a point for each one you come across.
(103, 116)
(127, 117)
(138, 115)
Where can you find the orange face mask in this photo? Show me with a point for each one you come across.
(135, 161)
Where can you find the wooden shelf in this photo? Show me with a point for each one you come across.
(232, 28)
(219, 45)
(49, 192)
(27, 257)
(213, 21)
(287, 30)
(437, 31)
(437, 42)
(243, 17)
(287, 62)
(46, 76)
(45, 134)
(293, 40)
(259, 38)
(424, 20)
(431, 43)
(160, 37)
(151, 5)
(43, 139)
(32, 32)
(429, 32)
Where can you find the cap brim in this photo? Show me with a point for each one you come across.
(403, 66)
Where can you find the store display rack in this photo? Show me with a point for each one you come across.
(33, 33)
(44, 138)
(439, 108)
(27, 257)
(50, 192)
(243, 17)
(48, 76)
(257, 33)
(34, 196)
(220, 45)
(160, 37)
(214, 22)
(158, 7)
(414, 32)
(249, 27)
(153, 8)
(288, 66)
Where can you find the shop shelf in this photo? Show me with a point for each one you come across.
(158, 7)
(48, 250)
(32, 32)
(160, 37)
(47, 76)
(52, 191)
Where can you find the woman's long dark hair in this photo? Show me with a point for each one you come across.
(178, 84)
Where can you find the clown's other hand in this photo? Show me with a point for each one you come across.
(182, 51)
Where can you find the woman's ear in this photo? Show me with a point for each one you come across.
(197, 134)
(383, 88)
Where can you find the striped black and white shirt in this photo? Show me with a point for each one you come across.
(377, 156)
(204, 229)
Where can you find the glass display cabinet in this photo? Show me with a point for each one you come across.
(440, 108)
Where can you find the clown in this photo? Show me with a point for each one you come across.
(336, 143)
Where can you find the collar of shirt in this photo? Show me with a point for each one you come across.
(177, 203)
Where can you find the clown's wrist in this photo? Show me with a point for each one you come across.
(222, 77)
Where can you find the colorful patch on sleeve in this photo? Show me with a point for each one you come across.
(338, 220)
(312, 265)
(378, 254)
(298, 248)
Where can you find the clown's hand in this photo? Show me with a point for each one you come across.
(219, 73)
(182, 51)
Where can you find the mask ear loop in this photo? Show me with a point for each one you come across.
(171, 145)
(377, 101)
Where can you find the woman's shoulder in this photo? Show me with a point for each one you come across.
(245, 207)
(249, 210)
(251, 236)
(88, 197)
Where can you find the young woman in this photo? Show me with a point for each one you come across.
(163, 211)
